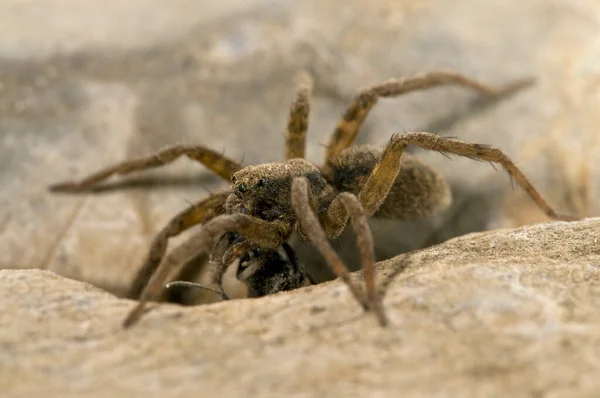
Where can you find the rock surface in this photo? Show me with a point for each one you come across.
(495, 314)
(83, 86)
(508, 312)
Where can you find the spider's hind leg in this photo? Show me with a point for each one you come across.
(377, 188)
(295, 138)
(355, 115)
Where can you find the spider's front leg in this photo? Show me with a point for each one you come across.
(344, 206)
(262, 233)
(216, 162)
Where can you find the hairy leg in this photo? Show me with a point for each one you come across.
(259, 232)
(196, 214)
(301, 203)
(379, 183)
(216, 162)
(295, 139)
(357, 112)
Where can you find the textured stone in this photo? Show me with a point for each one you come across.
(494, 314)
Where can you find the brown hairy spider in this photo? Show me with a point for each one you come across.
(267, 202)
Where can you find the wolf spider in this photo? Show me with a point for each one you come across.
(267, 202)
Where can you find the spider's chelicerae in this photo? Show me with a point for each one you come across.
(267, 202)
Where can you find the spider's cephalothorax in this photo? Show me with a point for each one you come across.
(267, 202)
(264, 190)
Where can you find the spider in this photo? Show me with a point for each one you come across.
(267, 202)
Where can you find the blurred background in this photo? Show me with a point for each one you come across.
(86, 84)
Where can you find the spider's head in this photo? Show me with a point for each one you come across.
(264, 190)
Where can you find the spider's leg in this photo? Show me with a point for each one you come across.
(215, 161)
(347, 206)
(379, 183)
(261, 233)
(295, 138)
(354, 116)
(196, 214)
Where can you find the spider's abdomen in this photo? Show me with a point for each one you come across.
(418, 190)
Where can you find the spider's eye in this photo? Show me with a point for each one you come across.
(260, 182)
(242, 187)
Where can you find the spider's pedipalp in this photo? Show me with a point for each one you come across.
(295, 138)
(215, 161)
(196, 214)
(259, 232)
(355, 115)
